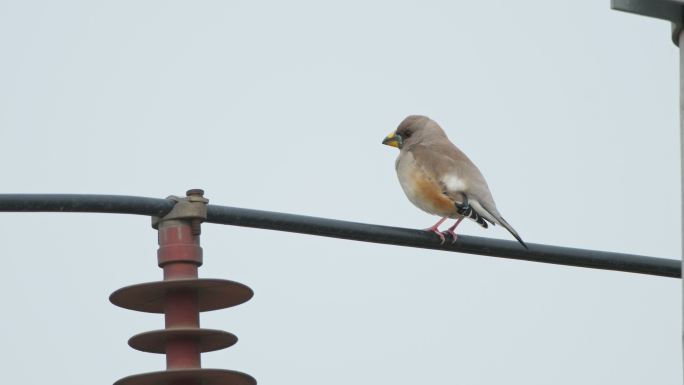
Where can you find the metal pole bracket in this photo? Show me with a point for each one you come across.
(672, 10)
(192, 207)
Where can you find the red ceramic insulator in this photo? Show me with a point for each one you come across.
(212, 294)
(179, 255)
(181, 296)
(179, 252)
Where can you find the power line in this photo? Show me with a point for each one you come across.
(346, 230)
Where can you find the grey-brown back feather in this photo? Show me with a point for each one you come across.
(444, 158)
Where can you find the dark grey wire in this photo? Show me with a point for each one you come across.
(346, 230)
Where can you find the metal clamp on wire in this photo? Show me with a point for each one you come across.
(193, 207)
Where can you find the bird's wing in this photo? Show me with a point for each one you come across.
(456, 175)
(461, 179)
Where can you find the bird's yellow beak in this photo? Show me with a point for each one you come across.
(393, 140)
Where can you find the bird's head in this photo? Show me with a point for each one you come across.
(412, 130)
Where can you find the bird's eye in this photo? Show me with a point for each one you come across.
(406, 134)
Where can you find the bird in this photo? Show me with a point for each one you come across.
(440, 179)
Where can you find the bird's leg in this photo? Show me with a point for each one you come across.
(435, 229)
(451, 230)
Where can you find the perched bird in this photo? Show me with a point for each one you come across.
(439, 178)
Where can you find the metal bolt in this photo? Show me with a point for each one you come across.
(195, 223)
(195, 192)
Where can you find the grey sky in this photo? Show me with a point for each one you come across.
(568, 108)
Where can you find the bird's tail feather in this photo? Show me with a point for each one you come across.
(511, 230)
(492, 214)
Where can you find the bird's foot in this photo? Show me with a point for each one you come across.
(451, 232)
(435, 230)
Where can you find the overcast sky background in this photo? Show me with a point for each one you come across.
(569, 109)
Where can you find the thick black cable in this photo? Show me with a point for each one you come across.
(465, 244)
(85, 203)
(346, 230)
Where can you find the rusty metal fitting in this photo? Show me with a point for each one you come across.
(192, 207)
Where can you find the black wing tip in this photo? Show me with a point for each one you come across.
(467, 211)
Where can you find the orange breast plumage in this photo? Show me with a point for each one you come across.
(423, 191)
